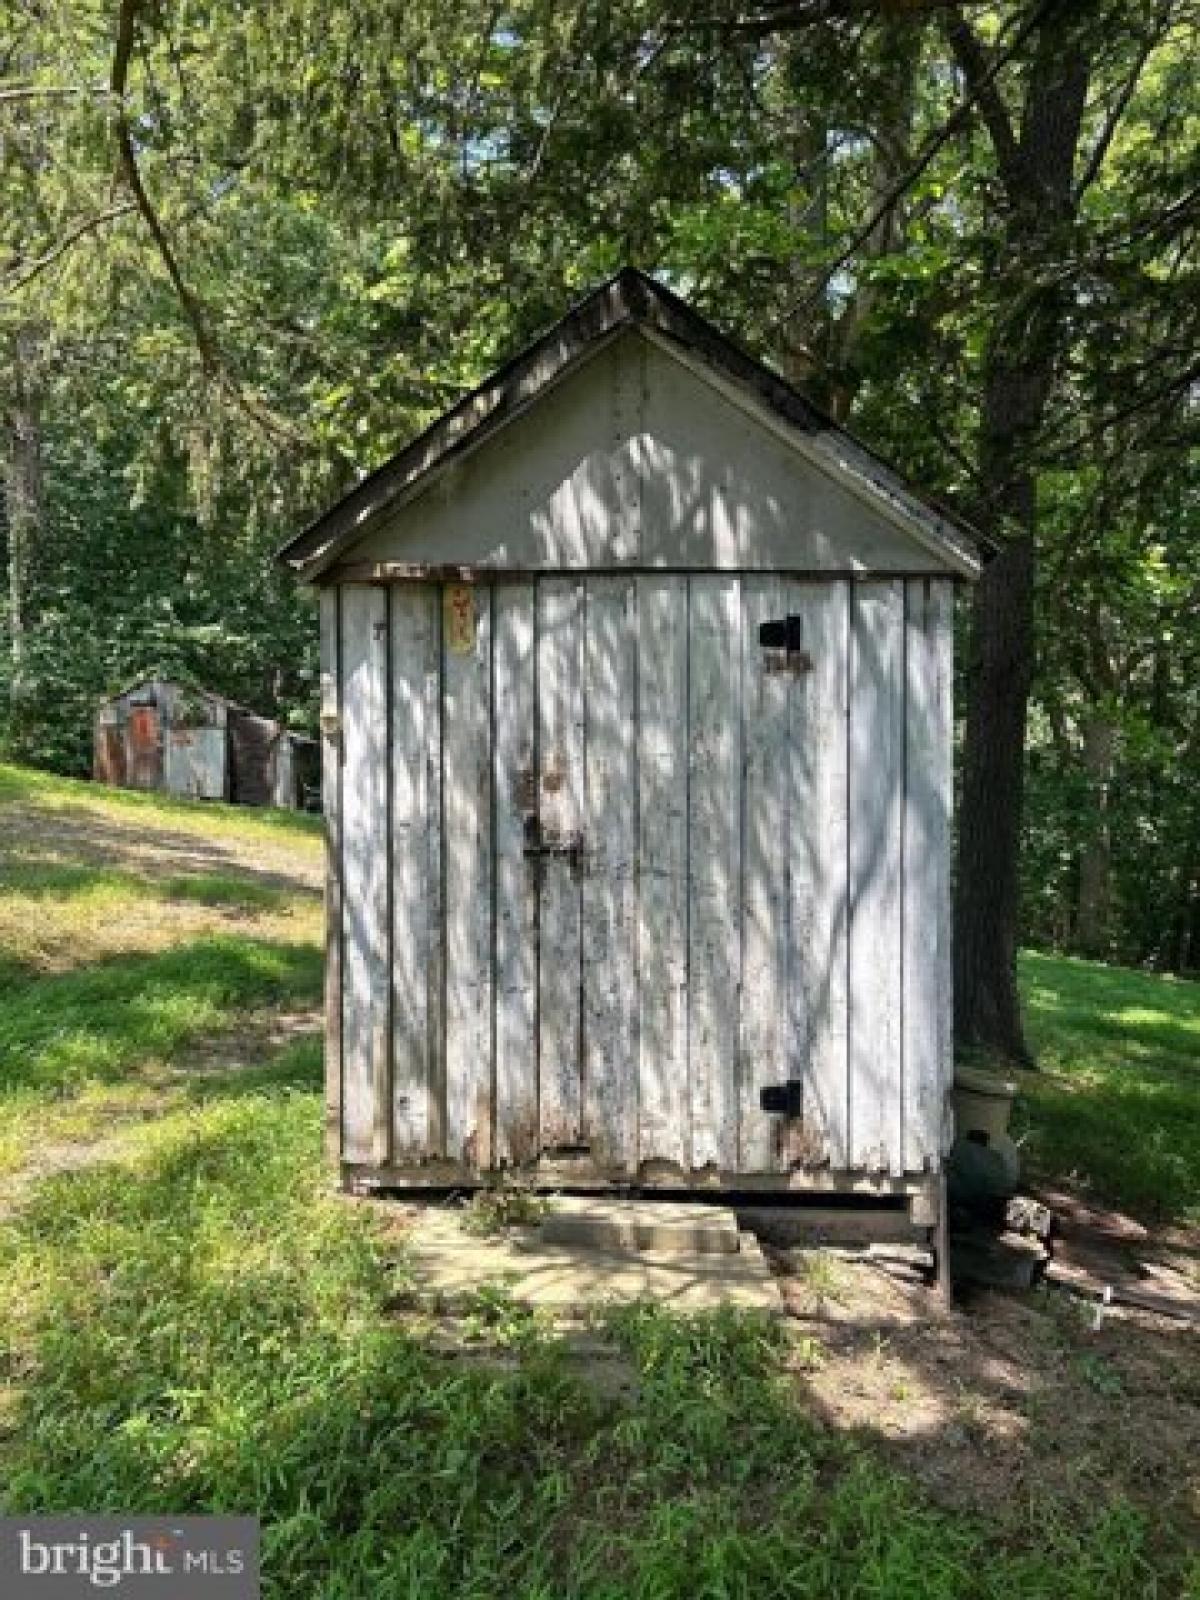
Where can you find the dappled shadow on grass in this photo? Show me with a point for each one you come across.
(1136, 1143)
(1137, 1041)
(81, 851)
(38, 877)
(1013, 1402)
(26, 786)
(1112, 1007)
(101, 1021)
(298, 1067)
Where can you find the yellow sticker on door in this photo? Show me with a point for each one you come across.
(458, 616)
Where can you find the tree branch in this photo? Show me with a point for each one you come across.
(900, 188)
(211, 358)
(973, 62)
(80, 231)
(1100, 151)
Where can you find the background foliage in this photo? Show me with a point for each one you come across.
(347, 213)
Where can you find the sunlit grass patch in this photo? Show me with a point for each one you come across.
(50, 793)
(1116, 1103)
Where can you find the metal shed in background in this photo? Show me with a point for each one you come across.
(162, 735)
(636, 698)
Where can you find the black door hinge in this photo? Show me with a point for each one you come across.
(783, 1099)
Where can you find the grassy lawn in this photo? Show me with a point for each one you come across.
(1115, 1107)
(196, 1322)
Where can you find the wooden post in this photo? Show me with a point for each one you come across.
(941, 1245)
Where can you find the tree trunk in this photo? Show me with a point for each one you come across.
(24, 506)
(1036, 167)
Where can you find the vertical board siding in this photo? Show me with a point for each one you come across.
(515, 788)
(609, 879)
(926, 963)
(331, 797)
(435, 884)
(815, 751)
(414, 639)
(366, 1119)
(467, 851)
(761, 891)
(767, 843)
(560, 804)
(662, 776)
(876, 1088)
(714, 867)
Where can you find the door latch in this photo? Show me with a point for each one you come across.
(539, 845)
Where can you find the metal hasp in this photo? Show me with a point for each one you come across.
(782, 1099)
(539, 845)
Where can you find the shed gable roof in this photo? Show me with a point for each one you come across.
(630, 300)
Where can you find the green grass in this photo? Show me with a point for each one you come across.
(22, 786)
(96, 1023)
(198, 1323)
(1115, 1106)
(202, 1327)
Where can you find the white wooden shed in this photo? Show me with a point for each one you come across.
(637, 705)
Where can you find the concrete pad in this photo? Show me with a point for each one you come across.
(446, 1262)
(668, 1227)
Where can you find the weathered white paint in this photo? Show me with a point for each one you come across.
(765, 693)
(467, 853)
(875, 834)
(560, 809)
(331, 810)
(640, 866)
(435, 890)
(638, 461)
(714, 866)
(366, 1120)
(413, 626)
(516, 882)
(609, 884)
(664, 1119)
(760, 894)
(928, 789)
(818, 891)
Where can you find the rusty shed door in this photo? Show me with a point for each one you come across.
(251, 759)
(143, 736)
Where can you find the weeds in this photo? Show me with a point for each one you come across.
(496, 1210)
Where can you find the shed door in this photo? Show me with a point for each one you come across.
(144, 746)
(564, 670)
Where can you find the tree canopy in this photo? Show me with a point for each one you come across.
(246, 251)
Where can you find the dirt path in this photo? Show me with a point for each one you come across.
(1013, 1402)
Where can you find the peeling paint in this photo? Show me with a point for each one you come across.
(799, 1144)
